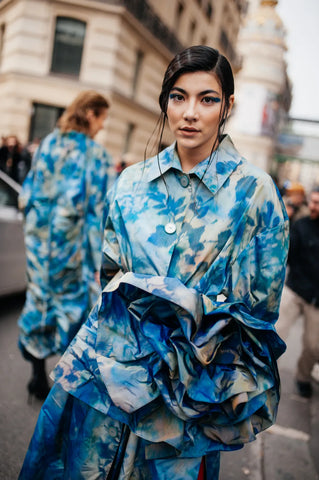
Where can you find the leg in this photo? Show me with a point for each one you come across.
(290, 310)
(310, 344)
(38, 384)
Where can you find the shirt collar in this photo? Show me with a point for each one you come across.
(225, 160)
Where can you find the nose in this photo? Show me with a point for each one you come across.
(190, 113)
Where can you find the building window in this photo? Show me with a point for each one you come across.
(2, 31)
(128, 137)
(227, 46)
(224, 40)
(43, 120)
(179, 14)
(209, 11)
(192, 29)
(137, 71)
(68, 46)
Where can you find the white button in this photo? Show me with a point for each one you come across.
(170, 228)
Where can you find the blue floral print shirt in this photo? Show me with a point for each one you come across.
(62, 198)
(181, 345)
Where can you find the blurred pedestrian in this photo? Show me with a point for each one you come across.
(301, 293)
(295, 201)
(124, 161)
(62, 198)
(3, 156)
(164, 375)
(24, 163)
(10, 157)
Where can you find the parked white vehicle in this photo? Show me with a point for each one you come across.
(12, 251)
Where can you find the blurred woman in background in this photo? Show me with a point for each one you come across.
(62, 199)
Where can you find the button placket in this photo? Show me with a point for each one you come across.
(170, 227)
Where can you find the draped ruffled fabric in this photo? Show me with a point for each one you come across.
(171, 367)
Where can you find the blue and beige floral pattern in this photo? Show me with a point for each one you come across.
(181, 346)
(63, 199)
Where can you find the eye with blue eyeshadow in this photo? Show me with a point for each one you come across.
(210, 100)
(176, 97)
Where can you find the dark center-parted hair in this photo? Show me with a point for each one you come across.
(75, 116)
(199, 58)
(195, 59)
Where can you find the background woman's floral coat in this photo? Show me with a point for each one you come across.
(63, 198)
(191, 373)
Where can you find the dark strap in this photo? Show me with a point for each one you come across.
(119, 455)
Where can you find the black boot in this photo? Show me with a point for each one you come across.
(38, 384)
(304, 389)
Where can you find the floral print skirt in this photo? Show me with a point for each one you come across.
(74, 441)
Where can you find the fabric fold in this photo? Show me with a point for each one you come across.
(157, 361)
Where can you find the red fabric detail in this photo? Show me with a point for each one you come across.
(201, 475)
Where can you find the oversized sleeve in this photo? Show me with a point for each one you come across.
(112, 258)
(100, 177)
(255, 280)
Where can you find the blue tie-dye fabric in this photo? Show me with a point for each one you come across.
(181, 345)
(63, 198)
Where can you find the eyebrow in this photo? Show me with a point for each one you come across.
(204, 92)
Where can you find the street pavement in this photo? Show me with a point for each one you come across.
(287, 451)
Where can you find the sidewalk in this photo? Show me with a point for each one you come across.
(290, 449)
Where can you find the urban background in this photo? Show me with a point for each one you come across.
(50, 50)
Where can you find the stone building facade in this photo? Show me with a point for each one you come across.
(50, 50)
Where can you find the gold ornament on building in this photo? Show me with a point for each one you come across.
(266, 14)
(269, 3)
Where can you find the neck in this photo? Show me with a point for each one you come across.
(189, 158)
(189, 161)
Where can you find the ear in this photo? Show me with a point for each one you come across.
(230, 106)
(231, 103)
(89, 114)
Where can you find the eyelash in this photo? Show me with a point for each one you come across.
(211, 100)
(177, 97)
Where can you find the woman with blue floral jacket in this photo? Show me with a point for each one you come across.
(177, 360)
(63, 200)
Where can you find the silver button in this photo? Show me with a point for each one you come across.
(184, 181)
(170, 228)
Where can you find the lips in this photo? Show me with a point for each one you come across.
(189, 130)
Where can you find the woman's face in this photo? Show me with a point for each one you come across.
(193, 112)
(96, 122)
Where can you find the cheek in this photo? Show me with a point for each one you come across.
(212, 120)
(172, 116)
